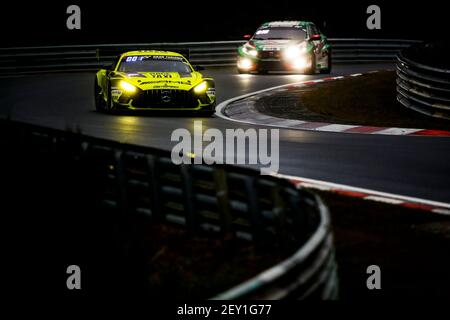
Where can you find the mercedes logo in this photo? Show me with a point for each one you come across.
(165, 96)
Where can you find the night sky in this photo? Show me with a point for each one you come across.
(44, 22)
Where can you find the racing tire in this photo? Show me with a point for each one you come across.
(240, 71)
(207, 113)
(328, 68)
(99, 101)
(262, 71)
(109, 102)
(312, 67)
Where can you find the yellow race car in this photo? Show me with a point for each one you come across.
(154, 80)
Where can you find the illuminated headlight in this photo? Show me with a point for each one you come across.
(299, 63)
(245, 63)
(250, 51)
(129, 88)
(293, 52)
(201, 87)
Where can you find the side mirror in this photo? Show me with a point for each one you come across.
(199, 68)
(247, 36)
(315, 37)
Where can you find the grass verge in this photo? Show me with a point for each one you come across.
(368, 100)
(410, 246)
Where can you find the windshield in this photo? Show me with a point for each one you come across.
(154, 64)
(280, 34)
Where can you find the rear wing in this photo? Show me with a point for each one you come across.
(110, 56)
(182, 51)
(185, 52)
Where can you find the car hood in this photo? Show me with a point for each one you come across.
(274, 44)
(161, 80)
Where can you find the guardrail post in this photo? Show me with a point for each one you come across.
(223, 202)
(189, 196)
(121, 181)
(299, 216)
(279, 210)
(253, 206)
(154, 187)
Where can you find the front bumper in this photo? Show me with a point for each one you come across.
(165, 99)
(276, 63)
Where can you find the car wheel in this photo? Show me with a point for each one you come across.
(243, 71)
(262, 71)
(109, 102)
(312, 66)
(206, 114)
(99, 101)
(329, 62)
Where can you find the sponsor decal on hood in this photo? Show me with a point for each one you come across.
(274, 45)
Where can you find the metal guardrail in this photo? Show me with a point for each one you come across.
(310, 273)
(127, 180)
(423, 88)
(218, 53)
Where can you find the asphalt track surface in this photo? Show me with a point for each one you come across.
(404, 165)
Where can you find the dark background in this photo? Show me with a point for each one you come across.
(44, 22)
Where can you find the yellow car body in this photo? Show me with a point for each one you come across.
(153, 80)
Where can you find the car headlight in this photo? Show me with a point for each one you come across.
(127, 87)
(294, 52)
(300, 63)
(250, 50)
(245, 63)
(201, 87)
